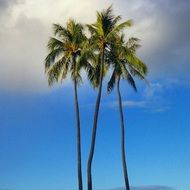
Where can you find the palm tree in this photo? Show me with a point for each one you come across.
(65, 50)
(103, 32)
(126, 65)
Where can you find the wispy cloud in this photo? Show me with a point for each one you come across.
(151, 100)
(145, 105)
(153, 90)
(131, 104)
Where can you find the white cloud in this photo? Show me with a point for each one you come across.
(130, 104)
(151, 100)
(26, 26)
(154, 89)
(147, 105)
(24, 36)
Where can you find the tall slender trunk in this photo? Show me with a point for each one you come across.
(93, 139)
(78, 137)
(123, 136)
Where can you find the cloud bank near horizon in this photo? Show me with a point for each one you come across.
(162, 26)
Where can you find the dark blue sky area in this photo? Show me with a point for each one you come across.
(37, 140)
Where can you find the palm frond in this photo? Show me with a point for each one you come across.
(137, 63)
(105, 21)
(92, 29)
(135, 72)
(119, 28)
(52, 56)
(131, 81)
(93, 70)
(54, 43)
(116, 20)
(132, 44)
(55, 72)
(111, 82)
(61, 32)
(126, 75)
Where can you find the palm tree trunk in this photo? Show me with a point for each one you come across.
(80, 184)
(93, 139)
(123, 137)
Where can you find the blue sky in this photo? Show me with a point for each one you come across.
(38, 140)
(37, 124)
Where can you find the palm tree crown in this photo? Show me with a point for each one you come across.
(64, 50)
(106, 28)
(103, 32)
(122, 58)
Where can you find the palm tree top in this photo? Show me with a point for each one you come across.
(107, 26)
(122, 58)
(104, 31)
(64, 49)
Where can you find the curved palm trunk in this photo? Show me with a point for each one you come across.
(80, 184)
(123, 136)
(93, 140)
